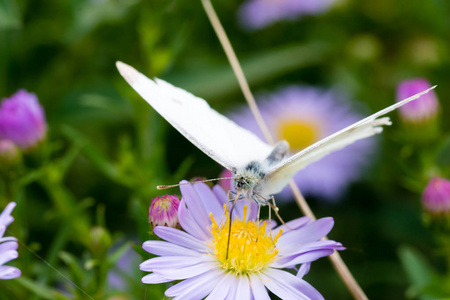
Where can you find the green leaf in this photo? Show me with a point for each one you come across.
(442, 157)
(9, 15)
(419, 271)
(417, 268)
(262, 67)
(76, 271)
(41, 290)
(118, 253)
(92, 153)
(91, 14)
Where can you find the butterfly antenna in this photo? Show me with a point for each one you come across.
(163, 187)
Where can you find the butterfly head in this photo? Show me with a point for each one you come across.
(248, 177)
(242, 182)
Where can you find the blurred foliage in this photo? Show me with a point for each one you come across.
(88, 189)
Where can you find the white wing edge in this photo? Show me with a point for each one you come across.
(353, 126)
(134, 78)
(280, 174)
(130, 74)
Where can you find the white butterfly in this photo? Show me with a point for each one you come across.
(259, 169)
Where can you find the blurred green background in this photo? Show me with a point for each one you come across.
(107, 149)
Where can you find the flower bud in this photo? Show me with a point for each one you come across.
(100, 241)
(9, 153)
(421, 110)
(163, 211)
(22, 120)
(436, 196)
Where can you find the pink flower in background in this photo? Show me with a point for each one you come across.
(421, 110)
(210, 265)
(22, 120)
(163, 211)
(302, 116)
(255, 14)
(8, 245)
(227, 182)
(436, 196)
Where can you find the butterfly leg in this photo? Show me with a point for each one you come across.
(230, 220)
(259, 211)
(230, 199)
(276, 209)
(270, 222)
(234, 193)
(260, 200)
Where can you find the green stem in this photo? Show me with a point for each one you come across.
(58, 244)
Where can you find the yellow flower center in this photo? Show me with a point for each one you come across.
(249, 249)
(298, 133)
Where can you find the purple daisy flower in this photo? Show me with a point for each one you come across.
(214, 266)
(255, 14)
(22, 120)
(8, 245)
(303, 116)
(123, 270)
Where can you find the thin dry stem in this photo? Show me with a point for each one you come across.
(335, 258)
(215, 22)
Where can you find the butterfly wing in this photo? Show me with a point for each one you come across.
(220, 138)
(278, 177)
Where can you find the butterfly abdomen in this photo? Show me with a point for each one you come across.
(279, 153)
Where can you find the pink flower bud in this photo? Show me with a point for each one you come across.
(421, 110)
(9, 152)
(436, 196)
(163, 211)
(22, 120)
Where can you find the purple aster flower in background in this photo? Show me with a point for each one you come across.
(256, 14)
(8, 245)
(421, 111)
(122, 271)
(436, 196)
(214, 266)
(303, 116)
(163, 211)
(22, 120)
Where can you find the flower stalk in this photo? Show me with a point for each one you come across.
(335, 258)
